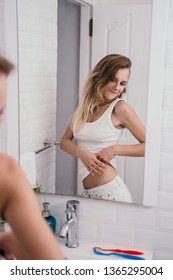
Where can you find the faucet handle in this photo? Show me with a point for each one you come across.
(72, 205)
(70, 210)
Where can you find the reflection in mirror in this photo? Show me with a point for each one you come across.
(37, 40)
(49, 94)
(97, 126)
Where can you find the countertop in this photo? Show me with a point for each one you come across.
(85, 251)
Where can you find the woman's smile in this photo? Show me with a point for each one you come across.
(115, 91)
(112, 94)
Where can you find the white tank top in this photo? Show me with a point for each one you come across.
(94, 136)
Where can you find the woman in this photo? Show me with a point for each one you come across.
(97, 125)
(31, 237)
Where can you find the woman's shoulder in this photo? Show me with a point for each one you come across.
(6, 158)
(7, 163)
(123, 109)
(124, 112)
(121, 104)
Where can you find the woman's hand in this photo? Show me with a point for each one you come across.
(11, 247)
(106, 154)
(91, 162)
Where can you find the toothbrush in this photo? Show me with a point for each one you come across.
(109, 253)
(130, 252)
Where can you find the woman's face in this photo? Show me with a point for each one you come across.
(3, 92)
(113, 89)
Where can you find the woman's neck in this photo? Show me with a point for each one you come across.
(107, 102)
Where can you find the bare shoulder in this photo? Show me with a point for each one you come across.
(124, 112)
(12, 176)
(7, 160)
(7, 164)
(122, 108)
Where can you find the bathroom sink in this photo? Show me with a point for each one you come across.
(85, 251)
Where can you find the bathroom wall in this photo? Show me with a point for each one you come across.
(3, 130)
(102, 221)
(37, 38)
(134, 225)
(2, 26)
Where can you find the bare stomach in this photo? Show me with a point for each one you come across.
(94, 181)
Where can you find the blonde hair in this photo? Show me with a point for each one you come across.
(92, 96)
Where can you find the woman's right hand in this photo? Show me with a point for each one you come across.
(94, 165)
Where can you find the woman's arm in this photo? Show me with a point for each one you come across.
(67, 144)
(128, 119)
(19, 206)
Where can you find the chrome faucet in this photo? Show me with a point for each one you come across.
(70, 229)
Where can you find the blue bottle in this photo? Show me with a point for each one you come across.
(49, 218)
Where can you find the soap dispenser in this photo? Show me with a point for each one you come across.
(49, 218)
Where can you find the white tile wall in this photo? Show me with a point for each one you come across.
(115, 234)
(3, 130)
(2, 26)
(166, 179)
(166, 199)
(142, 227)
(37, 22)
(167, 143)
(168, 100)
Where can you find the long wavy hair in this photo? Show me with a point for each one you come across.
(93, 94)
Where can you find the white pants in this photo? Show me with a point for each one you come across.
(113, 190)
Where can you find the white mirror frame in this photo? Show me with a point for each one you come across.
(154, 107)
(155, 93)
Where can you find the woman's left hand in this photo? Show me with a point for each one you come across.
(106, 154)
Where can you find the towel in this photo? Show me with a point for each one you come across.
(28, 164)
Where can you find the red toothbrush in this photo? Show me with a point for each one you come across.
(130, 252)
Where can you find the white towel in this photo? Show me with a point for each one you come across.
(28, 164)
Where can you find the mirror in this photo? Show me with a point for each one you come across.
(45, 114)
(40, 91)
